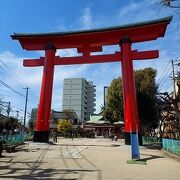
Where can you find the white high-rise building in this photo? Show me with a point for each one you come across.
(79, 96)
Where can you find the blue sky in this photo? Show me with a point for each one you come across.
(67, 15)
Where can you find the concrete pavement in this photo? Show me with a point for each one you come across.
(86, 159)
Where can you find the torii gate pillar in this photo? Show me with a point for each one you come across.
(41, 133)
(129, 92)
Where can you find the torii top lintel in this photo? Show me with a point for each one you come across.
(96, 38)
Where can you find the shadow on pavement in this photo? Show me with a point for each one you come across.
(151, 157)
(89, 145)
(81, 171)
(44, 173)
(35, 169)
(157, 146)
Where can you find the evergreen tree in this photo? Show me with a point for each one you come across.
(146, 90)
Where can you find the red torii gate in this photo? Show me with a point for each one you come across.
(88, 41)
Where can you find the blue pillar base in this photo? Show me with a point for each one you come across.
(141, 162)
(135, 146)
(127, 138)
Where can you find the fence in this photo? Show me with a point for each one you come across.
(28, 137)
(150, 140)
(171, 146)
(13, 139)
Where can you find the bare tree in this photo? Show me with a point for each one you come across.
(70, 114)
(169, 122)
(171, 3)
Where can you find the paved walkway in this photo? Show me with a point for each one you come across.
(86, 159)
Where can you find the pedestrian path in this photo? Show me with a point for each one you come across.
(86, 159)
(73, 148)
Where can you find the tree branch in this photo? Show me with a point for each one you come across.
(168, 3)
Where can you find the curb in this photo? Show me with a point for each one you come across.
(169, 154)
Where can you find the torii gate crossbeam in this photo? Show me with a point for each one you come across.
(85, 42)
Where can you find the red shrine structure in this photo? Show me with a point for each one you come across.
(86, 42)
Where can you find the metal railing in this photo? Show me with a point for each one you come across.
(171, 145)
(13, 139)
(151, 140)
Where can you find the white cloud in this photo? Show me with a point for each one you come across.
(86, 18)
(60, 25)
(100, 74)
(127, 9)
(17, 77)
(32, 77)
(67, 52)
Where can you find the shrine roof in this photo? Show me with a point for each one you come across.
(144, 23)
(95, 37)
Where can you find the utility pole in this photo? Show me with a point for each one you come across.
(8, 108)
(25, 108)
(175, 94)
(21, 120)
(174, 83)
(17, 114)
(105, 94)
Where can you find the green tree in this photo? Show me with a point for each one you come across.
(11, 124)
(114, 111)
(32, 120)
(64, 125)
(146, 89)
(3, 121)
(31, 124)
(108, 114)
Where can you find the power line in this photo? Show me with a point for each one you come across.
(168, 64)
(163, 71)
(173, 74)
(7, 86)
(165, 76)
(163, 83)
(22, 95)
(6, 72)
(18, 93)
(17, 108)
(7, 108)
(11, 74)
